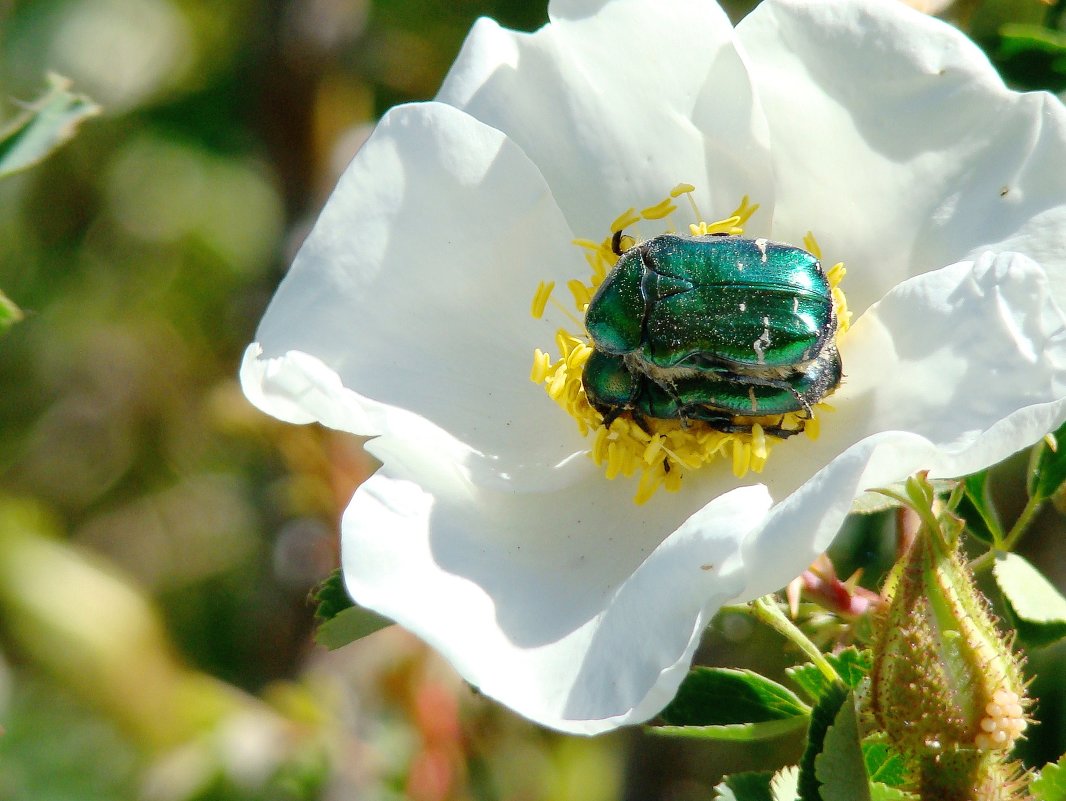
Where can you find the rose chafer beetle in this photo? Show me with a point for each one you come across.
(711, 328)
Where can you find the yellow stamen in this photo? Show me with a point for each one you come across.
(741, 458)
(541, 364)
(581, 293)
(663, 208)
(661, 450)
(624, 220)
(540, 298)
(567, 313)
(687, 190)
(758, 442)
(812, 245)
(813, 428)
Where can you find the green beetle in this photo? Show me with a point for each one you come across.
(711, 328)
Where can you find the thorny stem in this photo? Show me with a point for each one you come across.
(767, 610)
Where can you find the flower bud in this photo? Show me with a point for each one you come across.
(946, 687)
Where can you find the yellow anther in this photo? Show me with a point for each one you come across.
(586, 244)
(600, 268)
(614, 460)
(741, 458)
(578, 356)
(564, 341)
(581, 294)
(812, 428)
(558, 383)
(624, 220)
(758, 442)
(672, 481)
(540, 298)
(687, 190)
(655, 447)
(660, 210)
(649, 484)
(812, 245)
(541, 364)
(744, 211)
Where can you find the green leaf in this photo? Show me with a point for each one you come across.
(1051, 786)
(728, 697)
(9, 313)
(873, 502)
(339, 620)
(735, 732)
(882, 792)
(882, 763)
(331, 597)
(1035, 608)
(822, 717)
(760, 786)
(851, 664)
(1047, 466)
(840, 766)
(746, 787)
(44, 126)
(978, 510)
(1032, 56)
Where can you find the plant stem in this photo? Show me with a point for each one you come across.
(1029, 513)
(767, 610)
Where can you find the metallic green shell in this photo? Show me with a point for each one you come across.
(713, 302)
(711, 328)
(717, 398)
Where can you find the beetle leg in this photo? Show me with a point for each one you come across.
(738, 428)
(616, 243)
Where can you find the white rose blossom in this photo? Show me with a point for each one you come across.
(406, 317)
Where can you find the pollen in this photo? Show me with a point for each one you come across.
(660, 452)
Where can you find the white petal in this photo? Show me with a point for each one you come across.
(952, 372)
(410, 299)
(578, 609)
(618, 102)
(895, 141)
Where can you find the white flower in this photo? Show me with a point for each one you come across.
(406, 316)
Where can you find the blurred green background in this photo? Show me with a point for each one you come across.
(158, 536)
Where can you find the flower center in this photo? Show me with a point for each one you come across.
(670, 395)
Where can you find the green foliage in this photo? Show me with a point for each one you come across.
(44, 126)
(822, 717)
(753, 786)
(339, 620)
(1047, 471)
(882, 763)
(1032, 56)
(882, 792)
(1051, 786)
(54, 748)
(840, 768)
(851, 664)
(760, 786)
(728, 704)
(977, 508)
(1036, 609)
(331, 597)
(9, 313)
